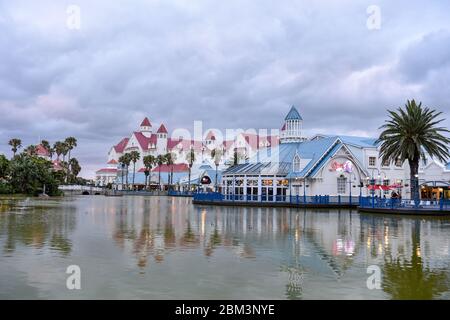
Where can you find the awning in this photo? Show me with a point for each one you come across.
(379, 187)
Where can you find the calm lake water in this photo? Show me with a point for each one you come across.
(167, 248)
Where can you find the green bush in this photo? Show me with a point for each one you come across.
(5, 188)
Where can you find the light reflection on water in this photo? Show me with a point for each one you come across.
(166, 248)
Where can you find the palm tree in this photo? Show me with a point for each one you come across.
(126, 159)
(15, 144)
(58, 146)
(64, 150)
(134, 157)
(75, 167)
(71, 143)
(216, 155)
(149, 161)
(31, 150)
(408, 134)
(122, 161)
(190, 158)
(237, 156)
(160, 160)
(170, 160)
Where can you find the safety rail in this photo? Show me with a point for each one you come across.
(313, 200)
(418, 204)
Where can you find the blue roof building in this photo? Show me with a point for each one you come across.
(321, 165)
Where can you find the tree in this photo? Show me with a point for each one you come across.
(31, 150)
(160, 160)
(29, 174)
(216, 155)
(190, 158)
(408, 134)
(47, 147)
(75, 168)
(237, 156)
(123, 166)
(149, 162)
(15, 144)
(64, 150)
(170, 160)
(58, 147)
(4, 166)
(71, 143)
(125, 160)
(134, 156)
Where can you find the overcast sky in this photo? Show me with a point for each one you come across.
(232, 64)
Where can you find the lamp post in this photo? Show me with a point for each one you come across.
(379, 176)
(122, 171)
(350, 185)
(304, 190)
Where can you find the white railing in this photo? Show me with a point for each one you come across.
(79, 188)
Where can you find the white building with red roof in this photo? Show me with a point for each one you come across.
(149, 142)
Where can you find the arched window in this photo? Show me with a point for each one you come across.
(296, 163)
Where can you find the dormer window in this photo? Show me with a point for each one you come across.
(296, 164)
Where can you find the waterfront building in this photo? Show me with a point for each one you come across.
(148, 142)
(434, 178)
(334, 165)
(203, 177)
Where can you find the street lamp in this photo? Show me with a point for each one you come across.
(122, 171)
(304, 189)
(382, 182)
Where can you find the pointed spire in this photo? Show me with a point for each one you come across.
(162, 129)
(293, 114)
(146, 123)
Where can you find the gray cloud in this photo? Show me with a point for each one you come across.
(232, 64)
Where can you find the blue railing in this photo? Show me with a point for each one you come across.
(314, 200)
(174, 193)
(421, 204)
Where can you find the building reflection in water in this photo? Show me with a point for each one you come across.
(337, 246)
(306, 241)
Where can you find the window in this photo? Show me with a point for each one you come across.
(296, 163)
(386, 163)
(398, 163)
(341, 185)
(372, 161)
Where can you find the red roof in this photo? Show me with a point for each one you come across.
(144, 141)
(179, 167)
(112, 162)
(121, 145)
(162, 129)
(42, 151)
(146, 123)
(56, 165)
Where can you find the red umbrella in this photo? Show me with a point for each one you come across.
(379, 187)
